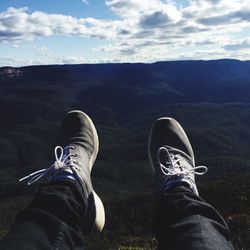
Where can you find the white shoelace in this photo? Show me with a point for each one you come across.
(172, 167)
(61, 163)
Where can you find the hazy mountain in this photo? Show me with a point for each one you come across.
(183, 81)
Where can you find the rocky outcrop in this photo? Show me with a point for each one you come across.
(10, 72)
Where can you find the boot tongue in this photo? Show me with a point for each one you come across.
(82, 168)
(176, 169)
(178, 152)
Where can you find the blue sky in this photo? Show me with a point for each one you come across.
(94, 31)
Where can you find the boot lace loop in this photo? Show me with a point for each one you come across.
(173, 167)
(63, 161)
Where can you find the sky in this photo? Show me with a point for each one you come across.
(34, 32)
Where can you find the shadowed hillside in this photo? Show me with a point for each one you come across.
(209, 98)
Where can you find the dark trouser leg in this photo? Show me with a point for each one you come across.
(53, 220)
(185, 221)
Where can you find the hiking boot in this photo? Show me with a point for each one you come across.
(75, 157)
(171, 156)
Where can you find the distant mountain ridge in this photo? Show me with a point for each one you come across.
(172, 82)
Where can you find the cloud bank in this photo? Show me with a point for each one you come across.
(147, 30)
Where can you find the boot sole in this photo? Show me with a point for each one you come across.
(98, 205)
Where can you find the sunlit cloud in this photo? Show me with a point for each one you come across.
(148, 30)
(85, 1)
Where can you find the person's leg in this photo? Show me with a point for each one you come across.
(182, 219)
(66, 206)
(54, 219)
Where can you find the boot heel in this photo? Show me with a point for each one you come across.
(100, 213)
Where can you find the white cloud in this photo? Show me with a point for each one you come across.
(85, 1)
(161, 29)
(19, 24)
(147, 30)
(10, 61)
(238, 45)
(72, 60)
(43, 59)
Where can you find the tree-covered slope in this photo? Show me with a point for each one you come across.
(209, 98)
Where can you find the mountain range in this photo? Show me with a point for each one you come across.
(211, 99)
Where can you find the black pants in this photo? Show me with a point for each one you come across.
(54, 220)
(185, 221)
